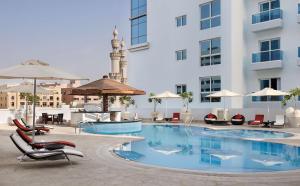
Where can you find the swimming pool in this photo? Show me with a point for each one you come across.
(196, 149)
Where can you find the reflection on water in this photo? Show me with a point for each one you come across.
(177, 147)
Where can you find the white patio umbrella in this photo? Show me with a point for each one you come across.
(27, 88)
(36, 70)
(224, 93)
(268, 92)
(166, 95)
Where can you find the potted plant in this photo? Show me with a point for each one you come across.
(187, 98)
(293, 114)
(126, 101)
(155, 101)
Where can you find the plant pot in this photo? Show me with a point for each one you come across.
(154, 115)
(186, 116)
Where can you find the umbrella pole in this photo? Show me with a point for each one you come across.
(33, 115)
(26, 110)
(224, 108)
(166, 109)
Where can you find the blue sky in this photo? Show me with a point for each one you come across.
(70, 34)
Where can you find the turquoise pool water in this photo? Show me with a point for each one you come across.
(202, 149)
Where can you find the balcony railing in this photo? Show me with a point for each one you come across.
(267, 16)
(274, 55)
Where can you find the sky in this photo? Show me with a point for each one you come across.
(73, 35)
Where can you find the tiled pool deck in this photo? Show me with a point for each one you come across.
(101, 167)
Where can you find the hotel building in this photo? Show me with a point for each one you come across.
(204, 46)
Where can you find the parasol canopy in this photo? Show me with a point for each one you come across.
(224, 93)
(269, 92)
(106, 87)
(36, 70)
(166, 95)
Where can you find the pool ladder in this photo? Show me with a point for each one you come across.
(80, 125)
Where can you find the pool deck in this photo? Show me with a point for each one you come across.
(101, 167)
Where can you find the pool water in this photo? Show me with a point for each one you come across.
(196, 148)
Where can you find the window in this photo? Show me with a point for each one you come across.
(12, 98)
(181, 55)
(269, 5)
(138, 21)
(274, 83)
(12, 104)
(299, 8)
(269, 51)
(298, 52)
(210, 52)
(210, 14)
(51, 104)
(181, 21)
(44, 104)
(209, 85)
(269, 10)
(51, 98)
(180, 88)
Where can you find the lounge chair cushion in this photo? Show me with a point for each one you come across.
(237, 119)
(239, 116)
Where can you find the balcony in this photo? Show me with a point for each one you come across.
(267, 20)
(267, 60)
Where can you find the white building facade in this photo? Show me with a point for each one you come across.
(204, 46)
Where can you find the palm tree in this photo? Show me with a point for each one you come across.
(155, 101)
(294, 94)
(126, 101)
(187, 97)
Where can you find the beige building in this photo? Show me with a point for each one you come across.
(14, 100)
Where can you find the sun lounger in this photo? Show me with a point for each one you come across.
(176, 117)
(22, 121)
(210, 118)
(160, 118)
(39, 130)
(259, 120)
(279, 121)
(40, 145)
(238, 119)
(43, 154)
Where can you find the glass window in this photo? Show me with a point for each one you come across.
(269, 5)
(210, 52)
(298, 52)
(205, 11)
(264, 6)
(210, 14)
(275, 44)
(264, 46)
(181, 55)
(138, 21)
(180, 88)
(209, 85)
(269, 51)
(275, 4)
(215, 8)
(181, 21)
